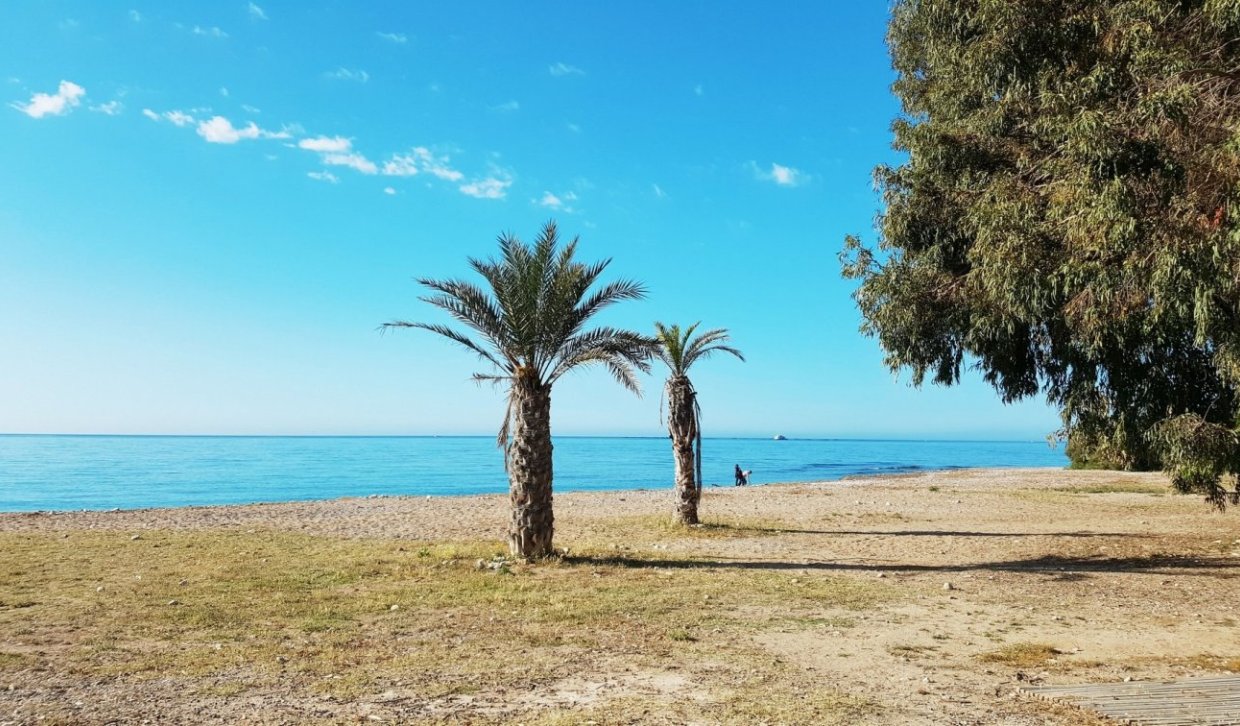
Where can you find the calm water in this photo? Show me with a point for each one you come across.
(101, 472)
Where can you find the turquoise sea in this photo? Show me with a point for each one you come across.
(102, 472)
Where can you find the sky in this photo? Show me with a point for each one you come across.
(207, 209)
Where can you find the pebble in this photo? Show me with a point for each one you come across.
(135, 538)
(394, 608)
(99, 589)
(174, 602)
(183, 583)
(948, 586)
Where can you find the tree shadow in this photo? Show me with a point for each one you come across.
(930, 532)
(1063, 566)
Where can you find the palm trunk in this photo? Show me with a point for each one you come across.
(682, 425)
(529, 470)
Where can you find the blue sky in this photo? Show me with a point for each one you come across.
(207, 208)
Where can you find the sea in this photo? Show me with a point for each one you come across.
(45, 473)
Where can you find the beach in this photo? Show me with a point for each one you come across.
(924, 598)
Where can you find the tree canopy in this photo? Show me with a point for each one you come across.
(1068, 219)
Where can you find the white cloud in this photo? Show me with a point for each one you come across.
(326, 144)
(564, 69)
(389, 191)
(325, 176)
(397, 38)
(508, 107)
(492, 187)
(698, 90)
(250, 109)
(224, 91)
(558, 203)
(574, 128)
(211, 32)
(658, 191)
(784, 176)
(421, 159)
(111, 108)
(219, 130)
(68, 95)
(256, 12)
(347, 74)
(179, 118)
(135, 16)
(353, 161)
(150, 114)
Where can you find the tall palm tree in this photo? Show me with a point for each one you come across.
(531, 328)
(680, 350)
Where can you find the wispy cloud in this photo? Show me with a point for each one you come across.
(784, 176)
(219, 130)
(256, 12)
(564, 69)
(323, 176)
(250, 109)
(347, 74)
(698, 90)
(397, 38)
(111, 108)
(560, 203)
(211, 32)
(421, 159)
(491, 187)
(326, 144)
(509, 107)
(389, 191)
(67, 97)
(135, 16)
(352, 160)
(178, 118)
(573, 127)
(658, 191)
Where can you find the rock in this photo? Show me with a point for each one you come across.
(882, 574)
(394, 608)
(135, 538)
(183, 583)
(948, 586)
(174, 602)
(1127, 679)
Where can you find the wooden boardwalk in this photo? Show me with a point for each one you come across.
(1190, 702)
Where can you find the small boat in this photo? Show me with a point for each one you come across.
(780, 437)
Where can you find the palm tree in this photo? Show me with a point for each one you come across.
(530, 328)
(680, 350)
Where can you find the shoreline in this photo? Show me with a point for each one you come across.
(846, 480)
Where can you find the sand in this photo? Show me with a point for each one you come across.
(1122, 578)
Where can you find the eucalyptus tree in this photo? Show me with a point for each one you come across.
(530, 326)
(679, 350)
(1067, 218)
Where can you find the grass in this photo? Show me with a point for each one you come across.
(1116, 487)
(233, 613)
(1021, 655)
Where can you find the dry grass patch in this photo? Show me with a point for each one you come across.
(1116, 487)
(1021, 655)
(238, 613)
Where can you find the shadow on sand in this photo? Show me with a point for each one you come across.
(1223, 567)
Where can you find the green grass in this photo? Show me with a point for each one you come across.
(272, 610)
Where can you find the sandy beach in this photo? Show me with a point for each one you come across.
(975, 583)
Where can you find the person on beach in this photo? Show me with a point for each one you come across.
(742, 477)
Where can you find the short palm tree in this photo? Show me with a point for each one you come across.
(531, 327)
(680, 350)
